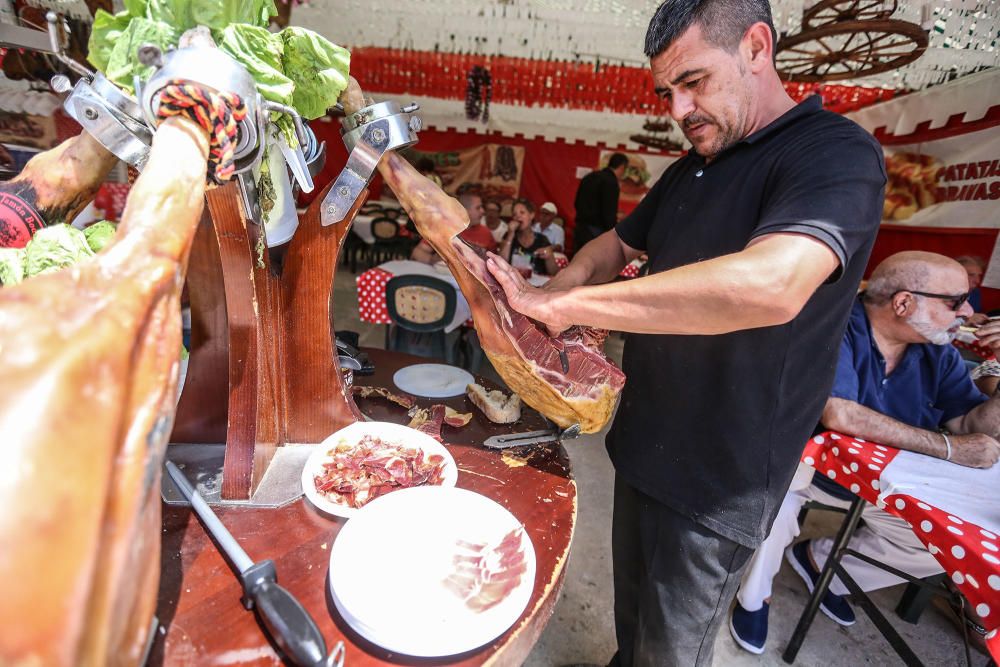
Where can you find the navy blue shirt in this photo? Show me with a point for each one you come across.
(930, 385)
(713, 426)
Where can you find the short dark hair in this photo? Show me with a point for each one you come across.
(724, 22)
(617, 160)
(526, 203)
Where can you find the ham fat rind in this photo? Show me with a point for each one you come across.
(523, 354)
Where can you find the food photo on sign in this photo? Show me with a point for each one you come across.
(495, 168)
(953, 182)
(643, 170)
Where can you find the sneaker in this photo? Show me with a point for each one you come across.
(749, 628)
(834, 606)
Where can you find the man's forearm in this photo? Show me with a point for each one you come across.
(855, 419)
(984, 418)
(764, 285)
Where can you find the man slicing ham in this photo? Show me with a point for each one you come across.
(757, 240)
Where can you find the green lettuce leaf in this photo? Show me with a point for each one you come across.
(136, 7)
(105, 32)
(260, 51)
(55, 247)
(318, 68)
(217, 14)
(12, 262)
(100, 234)
(123, 64)
(178, 14)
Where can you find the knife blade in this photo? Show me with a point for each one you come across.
(509, 440)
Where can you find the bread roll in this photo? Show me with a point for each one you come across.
(497, 406)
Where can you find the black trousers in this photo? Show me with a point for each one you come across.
(674, 582)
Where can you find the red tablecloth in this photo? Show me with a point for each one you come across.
(371, 296)
(969, 553)
(974, 347)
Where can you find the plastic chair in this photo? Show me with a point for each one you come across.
(420, 308)
(388, 243)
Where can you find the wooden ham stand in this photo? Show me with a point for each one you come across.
(263, 370)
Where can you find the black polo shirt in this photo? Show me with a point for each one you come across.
(713, 426)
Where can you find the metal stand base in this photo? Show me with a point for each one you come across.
(202, 464)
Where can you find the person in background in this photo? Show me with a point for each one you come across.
(975, 267)
(476, 233)
(898, 381)
(521, 239)
(546, 226)
(493, 221)
(596, 201)
(426, 167)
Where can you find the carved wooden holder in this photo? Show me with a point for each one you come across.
(263, 370)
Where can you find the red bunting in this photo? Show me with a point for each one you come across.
(530, 82)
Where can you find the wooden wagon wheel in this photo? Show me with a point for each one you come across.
(826, 12)
(658, 125)
(849, 50)
(659, 143)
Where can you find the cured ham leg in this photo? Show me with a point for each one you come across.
(53, 187)
(88, 379)
(526, 357)
(568, 379)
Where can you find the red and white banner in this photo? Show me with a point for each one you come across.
(953, 182)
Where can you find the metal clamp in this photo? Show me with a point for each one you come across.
(110, 116)
(368, 135)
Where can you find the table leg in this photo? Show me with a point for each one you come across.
(844, 535)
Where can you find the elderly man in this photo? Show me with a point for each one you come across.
(898, 381)
(547, 228)
(476, 233)
(757, 239)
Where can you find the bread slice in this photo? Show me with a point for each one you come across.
(497, 406)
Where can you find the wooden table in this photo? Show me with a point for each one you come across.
(199, 602)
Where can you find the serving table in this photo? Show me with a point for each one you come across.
(202, 619)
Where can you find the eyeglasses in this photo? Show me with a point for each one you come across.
(956, 300)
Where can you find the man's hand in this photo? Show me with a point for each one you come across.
(977, 319)
(524, 298)
(989, 335)
(974, 450)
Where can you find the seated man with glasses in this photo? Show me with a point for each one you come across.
(898, 382)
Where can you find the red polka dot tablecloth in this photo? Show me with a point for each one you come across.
(371, 296)
(975, 348)
(886, 477)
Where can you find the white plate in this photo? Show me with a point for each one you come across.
(388, 432)
(388, 566)
(433, 380)
(441, 267)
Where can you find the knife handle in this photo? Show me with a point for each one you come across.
(285, 619)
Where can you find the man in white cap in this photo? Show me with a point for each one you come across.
(547, 228)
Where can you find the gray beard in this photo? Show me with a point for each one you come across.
(920, 323)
